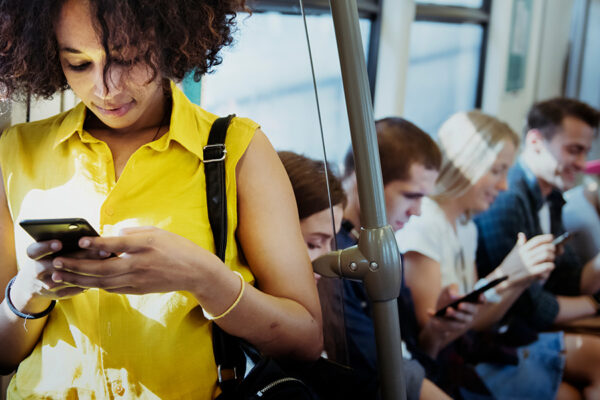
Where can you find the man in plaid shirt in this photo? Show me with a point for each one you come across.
(559, 136)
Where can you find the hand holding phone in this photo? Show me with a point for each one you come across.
(472, 297)
(67, 230)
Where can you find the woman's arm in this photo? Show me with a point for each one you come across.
(574, 307)
(17, 337)
(424, 278)
(491, 313)
(284, 315)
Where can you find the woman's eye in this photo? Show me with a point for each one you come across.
(312, 246)
(79, 67)
(499, 170)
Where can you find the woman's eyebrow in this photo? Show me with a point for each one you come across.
(70, 50)
(323, 235)
(413, 195)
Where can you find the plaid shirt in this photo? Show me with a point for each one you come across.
(516, 210)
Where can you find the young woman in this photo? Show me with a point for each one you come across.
(440, 247)
(310, 186)
(129, 160)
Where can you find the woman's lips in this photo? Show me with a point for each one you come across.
(116, 110)
(491, 198)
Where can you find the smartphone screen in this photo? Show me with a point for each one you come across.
(562, 238)
(67, 230)
(472, 297)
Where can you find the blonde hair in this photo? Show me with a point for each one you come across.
(470, 143)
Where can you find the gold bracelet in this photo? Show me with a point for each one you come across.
(231, 307)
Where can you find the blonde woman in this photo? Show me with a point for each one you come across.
(440, 246)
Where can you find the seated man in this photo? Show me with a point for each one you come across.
(410, 161)
(559, 135)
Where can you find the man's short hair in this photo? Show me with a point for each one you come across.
(401, 144)
(547, 116)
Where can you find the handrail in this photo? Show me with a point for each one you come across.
(376, 259)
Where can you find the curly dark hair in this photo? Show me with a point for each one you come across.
(173, 37)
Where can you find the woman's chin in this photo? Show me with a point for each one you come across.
(479, 208)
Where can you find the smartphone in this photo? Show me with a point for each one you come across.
(67, 230)
(472, 297)
(562, 238)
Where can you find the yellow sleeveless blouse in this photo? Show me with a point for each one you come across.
(99, 345)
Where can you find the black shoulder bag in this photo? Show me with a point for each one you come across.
(266, 379)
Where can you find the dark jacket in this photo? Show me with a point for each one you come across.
(516, 210)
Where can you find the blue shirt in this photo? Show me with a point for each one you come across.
(360, 331)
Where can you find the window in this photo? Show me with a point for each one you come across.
(443, 71)
(462, 3)
(447, 51)
(270, 81)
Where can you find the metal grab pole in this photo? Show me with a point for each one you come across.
(379, 260)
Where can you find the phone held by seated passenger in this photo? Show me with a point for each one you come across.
(562, 238)
(67, 230)
(472, 297)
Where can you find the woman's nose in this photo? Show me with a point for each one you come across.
(502, 184)
(106, 84)
(100, 89)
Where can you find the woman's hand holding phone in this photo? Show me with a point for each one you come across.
(440, 330)
(34, 282)
(41, 255)
(151, 260)
(477, 296)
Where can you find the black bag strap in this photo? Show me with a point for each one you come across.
(228, 355)
(214, 170)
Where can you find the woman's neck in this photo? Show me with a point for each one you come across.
(453, 209)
